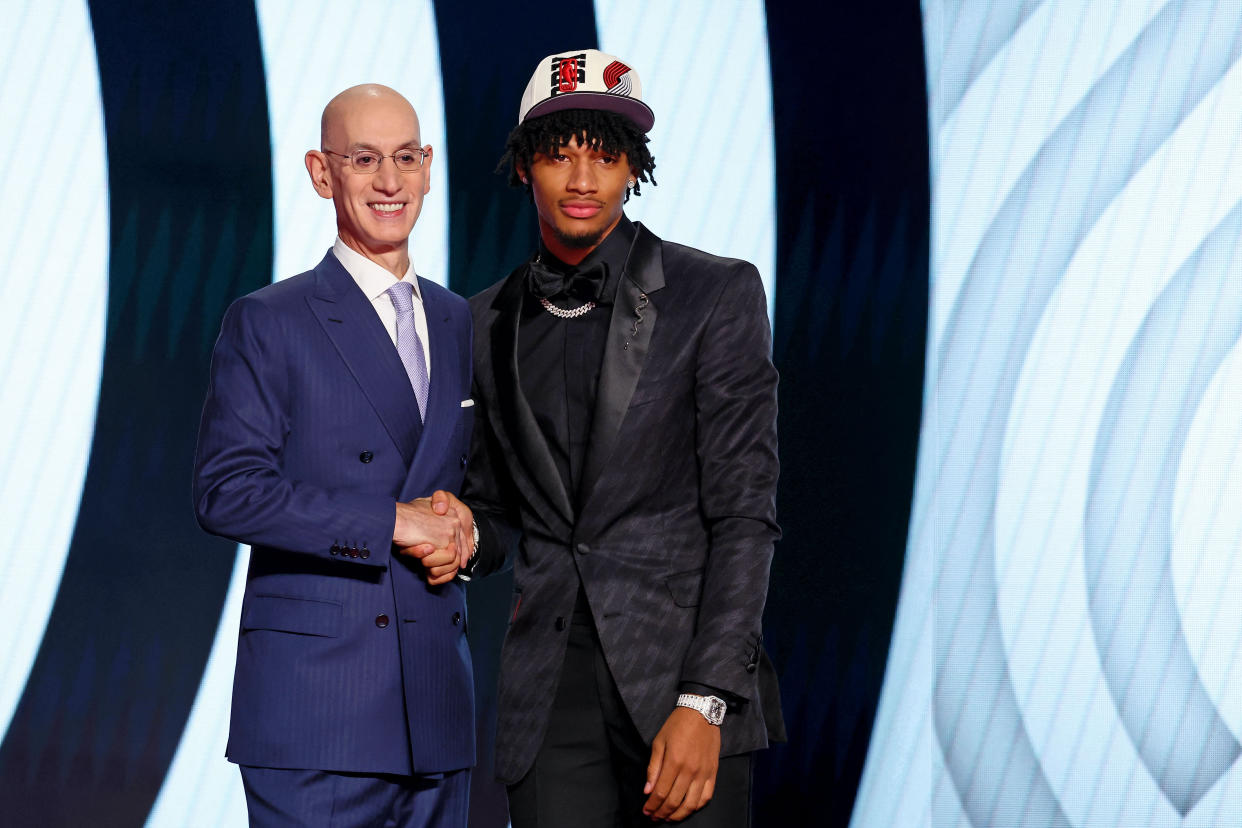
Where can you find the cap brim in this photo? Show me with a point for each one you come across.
(635, 110)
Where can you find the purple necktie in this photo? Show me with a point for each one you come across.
(409, 346)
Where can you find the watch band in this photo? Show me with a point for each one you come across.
(712, 707)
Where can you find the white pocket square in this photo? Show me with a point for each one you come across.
(467, 403)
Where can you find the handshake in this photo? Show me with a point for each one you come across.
(439, 531)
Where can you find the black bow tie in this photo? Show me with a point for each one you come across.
(584, 285)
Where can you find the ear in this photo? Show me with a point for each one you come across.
(522, 174)
(427, 170)
(317, 168)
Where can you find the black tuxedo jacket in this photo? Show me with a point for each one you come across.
(673, 541)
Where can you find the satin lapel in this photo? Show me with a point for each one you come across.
(359, 337)
(634, 317)
(443, 405)
(518, 418)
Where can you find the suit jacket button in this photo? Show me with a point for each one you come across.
(381, 621)
(456, 618)
(463, 461)
(354, 552)
(583, 549)
(560, 623)
(365, 553)
(366, 457)
(750, 668)
(335, 550)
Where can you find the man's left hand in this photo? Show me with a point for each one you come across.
(439, 565)
(681, 776)
(442, 503)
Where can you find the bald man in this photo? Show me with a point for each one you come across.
(338, 404)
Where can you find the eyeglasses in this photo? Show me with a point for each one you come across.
(368, 161)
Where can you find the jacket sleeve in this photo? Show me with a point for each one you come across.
(735, 398)
(240, 491)
(490, 494)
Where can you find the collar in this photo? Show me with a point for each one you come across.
(372, 278)
(612, 252)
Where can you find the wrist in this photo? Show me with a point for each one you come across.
(401, 525)
(467, 572)
(712, 708)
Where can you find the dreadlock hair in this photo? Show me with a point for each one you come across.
(600, 130)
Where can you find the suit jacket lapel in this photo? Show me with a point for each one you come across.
(443, 406)
(359, 337)
(629, 337)
(528, 440)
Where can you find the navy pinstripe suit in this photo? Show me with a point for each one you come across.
(347, 660)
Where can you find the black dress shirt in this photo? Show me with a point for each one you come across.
(559, 360)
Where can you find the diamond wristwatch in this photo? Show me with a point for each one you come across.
(712, 708)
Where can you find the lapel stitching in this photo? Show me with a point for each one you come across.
(625, 354)
(367, 352)
(516, 416)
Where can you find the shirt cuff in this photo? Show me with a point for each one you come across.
(731, 701)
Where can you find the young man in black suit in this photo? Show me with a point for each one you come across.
(624, 457)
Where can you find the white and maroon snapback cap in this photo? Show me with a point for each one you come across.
(585, 79)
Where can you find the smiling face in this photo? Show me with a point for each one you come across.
(374, 212)
(578, 194)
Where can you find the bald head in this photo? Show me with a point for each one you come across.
(365, 101)
(376, 206)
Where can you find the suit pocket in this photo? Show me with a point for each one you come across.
(685, 587)
(285, 613)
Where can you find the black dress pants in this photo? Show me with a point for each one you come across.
(592, 765)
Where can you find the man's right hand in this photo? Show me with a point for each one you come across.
(417, 523)
(433, 539)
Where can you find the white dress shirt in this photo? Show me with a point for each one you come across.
(375, 282)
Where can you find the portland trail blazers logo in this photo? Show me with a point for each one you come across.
(617, 79)
(567, 73)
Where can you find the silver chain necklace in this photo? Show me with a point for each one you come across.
(562, 313)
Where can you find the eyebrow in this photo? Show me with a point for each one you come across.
(599, 151)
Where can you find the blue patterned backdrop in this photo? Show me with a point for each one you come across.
(1067, 633)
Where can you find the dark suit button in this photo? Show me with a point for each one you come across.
(583, 549)
(366, 457)
(381, 621)
(353, 552)
(335, 550)
(365, 553)
(750, 668)
(560, 623)
(463, 461)
(456, 618)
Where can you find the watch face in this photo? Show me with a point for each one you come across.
(715, 710)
